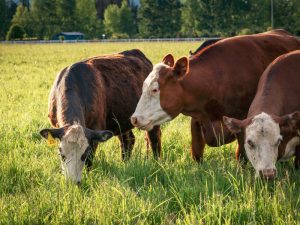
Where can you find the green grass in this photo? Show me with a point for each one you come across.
(173, 190)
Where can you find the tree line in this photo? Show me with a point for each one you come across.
(41, 19)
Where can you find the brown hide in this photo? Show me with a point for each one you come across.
(278, 94)
(222, 80)
(101, 93)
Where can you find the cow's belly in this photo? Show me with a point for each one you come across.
(290, 148)
(216, 134)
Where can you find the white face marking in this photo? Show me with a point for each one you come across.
(262, 138)
(72, 146)
(148, 111)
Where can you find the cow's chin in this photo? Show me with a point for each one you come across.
(157, 122)
(149, 126)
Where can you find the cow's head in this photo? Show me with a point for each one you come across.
(262, 136)
(75, 147)
(162, 97)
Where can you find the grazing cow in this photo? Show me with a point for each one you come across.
(219, 80)
(204, 45)
(270, 131)
(95, 94)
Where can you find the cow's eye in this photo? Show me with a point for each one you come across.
(278, 141)
(154, 91)
(63, 157)
(251, 144)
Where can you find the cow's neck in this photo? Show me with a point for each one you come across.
(200, 96)
(72, 113)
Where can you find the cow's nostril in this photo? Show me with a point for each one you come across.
(134, 120)
(267, 173)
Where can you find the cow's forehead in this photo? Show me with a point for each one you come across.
(263, 125)
(153, 76)
(75, 135)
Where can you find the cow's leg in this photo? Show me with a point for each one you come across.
(153, 139)
(198, 142)
(89, 160)
(127, 142)
(297, 158)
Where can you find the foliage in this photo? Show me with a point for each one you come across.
(86, 19)
(15, 32)
(45, 21)
(7, 10)
(159, 18)
(154, 18)
(173, 190)
(119, 20)
(22, 17)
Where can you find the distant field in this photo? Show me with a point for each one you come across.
(174, 190)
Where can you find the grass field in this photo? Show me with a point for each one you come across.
(173, 190)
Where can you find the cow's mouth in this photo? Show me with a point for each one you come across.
(147, 127)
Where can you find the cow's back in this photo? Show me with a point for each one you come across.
(123, 75)
(278, 89)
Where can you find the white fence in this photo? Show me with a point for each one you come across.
(110, 40)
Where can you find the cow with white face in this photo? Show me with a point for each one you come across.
(75, 147)
(270, 133)
(92, 96)
(153, 107)
(263, 135)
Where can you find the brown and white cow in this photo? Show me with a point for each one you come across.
(219, 80)
(270, 131)
(95, 94)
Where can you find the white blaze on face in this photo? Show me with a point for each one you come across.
(262, 138)
(149, 111)
(72, 147)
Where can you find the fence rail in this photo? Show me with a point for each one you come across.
(110, 40)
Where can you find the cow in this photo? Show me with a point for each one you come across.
(204, 45)
(219, 80)
(93, 95)
(271, 130)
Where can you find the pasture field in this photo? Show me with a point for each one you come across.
(173, 190)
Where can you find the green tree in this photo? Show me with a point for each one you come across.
(15, 32)
(86, 19)
(45, 19)
(119, 21)
(159, 18)
(22, 17)
(65, 11)
(7, 10)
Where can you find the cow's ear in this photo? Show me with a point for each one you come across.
(168, 60)
(101, 135)
(181, 67)
(290, 122)
(52, 133)
(234, 125)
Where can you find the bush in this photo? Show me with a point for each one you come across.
(120, 36)
(15, 32)
(245, 31)
(61, 38)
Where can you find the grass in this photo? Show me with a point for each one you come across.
(173, 190)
